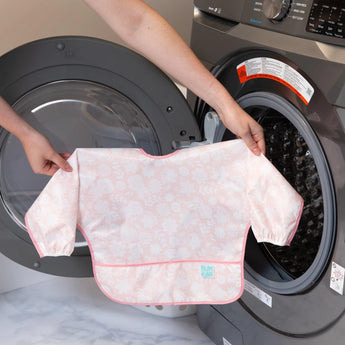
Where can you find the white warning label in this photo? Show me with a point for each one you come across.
(265, 67)
(258, 293)
(337, 278)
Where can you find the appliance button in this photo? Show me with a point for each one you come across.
(316, 31)
(339, 33)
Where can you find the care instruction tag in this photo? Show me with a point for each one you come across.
(337, 278)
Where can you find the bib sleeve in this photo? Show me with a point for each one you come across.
(274, 206)
(52, 218)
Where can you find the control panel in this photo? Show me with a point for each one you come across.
(321, 20)
(327, 18)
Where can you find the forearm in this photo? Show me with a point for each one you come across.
(13, 123)
(148, 33)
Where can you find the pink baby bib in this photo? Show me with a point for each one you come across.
(167, 229)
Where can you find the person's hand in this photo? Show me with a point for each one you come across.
(245, 127)
(42, 156)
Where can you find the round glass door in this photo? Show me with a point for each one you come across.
(70, 114)
(294, 149)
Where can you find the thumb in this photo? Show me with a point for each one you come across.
(61, 162)
(252, 144)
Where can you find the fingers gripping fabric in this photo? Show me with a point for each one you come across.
(168, 229)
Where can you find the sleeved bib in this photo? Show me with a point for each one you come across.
(166, 229)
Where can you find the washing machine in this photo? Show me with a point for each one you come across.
(284, 63)
(79, 91)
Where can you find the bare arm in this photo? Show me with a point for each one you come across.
(42, 156)
(146, 31)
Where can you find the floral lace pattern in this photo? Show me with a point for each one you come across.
(167, 229)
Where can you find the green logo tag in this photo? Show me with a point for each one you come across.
(207, 271)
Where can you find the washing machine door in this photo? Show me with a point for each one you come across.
(287, 288)
(79, 92)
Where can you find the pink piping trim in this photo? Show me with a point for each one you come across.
(170, 262)
(37, 247)
(296, 225)
(172, 303)
(158, 157)
(150, 303)
(242, 264)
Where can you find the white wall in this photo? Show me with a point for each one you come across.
(22, 21)
(179, 13)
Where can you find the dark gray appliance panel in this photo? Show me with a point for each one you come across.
(80, 92)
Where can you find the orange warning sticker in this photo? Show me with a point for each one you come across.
(264, 67)
(242, 73)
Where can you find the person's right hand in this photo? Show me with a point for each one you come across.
(42, 156)
(244, 127)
